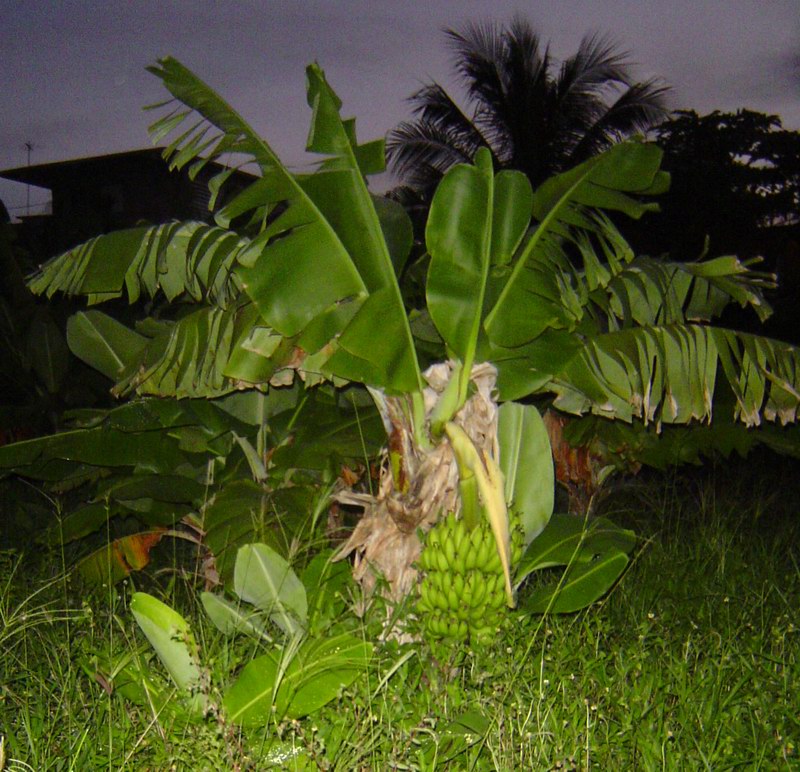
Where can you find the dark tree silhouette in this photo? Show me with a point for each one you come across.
(735, 181)
(532, 114)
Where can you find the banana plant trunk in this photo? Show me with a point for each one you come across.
(418, 481)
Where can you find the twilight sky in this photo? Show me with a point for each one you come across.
(72, 78)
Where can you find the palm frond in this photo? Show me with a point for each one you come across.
(478, 51)
(420, 153)
(597, 64)
(637, 109)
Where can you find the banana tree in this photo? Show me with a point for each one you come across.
(298, 278)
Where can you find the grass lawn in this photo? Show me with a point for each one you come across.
(692, 662)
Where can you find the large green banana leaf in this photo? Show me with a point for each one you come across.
(191, 259)
(320, 259)
(534, 296)
(668, 374)
(477, 219)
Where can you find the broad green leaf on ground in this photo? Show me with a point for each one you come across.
(568, 539)
(526, 461)
(231, 618)
(170, 636)
(264, 578)
(314, 676)
(581, 585)
(595, 553)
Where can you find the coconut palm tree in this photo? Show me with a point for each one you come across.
(534, 116)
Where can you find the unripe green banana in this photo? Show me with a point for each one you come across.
(478, 614)
(475, 541)
(496, 600)
(469, 555)
(476, 591)
(452, 599)
(458, 586)
(424, 602)
(440, 599)
(441, 559)
(424, 559)
(482, 631)
(459, 532)
(438, 580)
(476, 536)
(462, 591)
(488, 549)
(452, 628)
(493, 564)
(428, 592)
(449, 548)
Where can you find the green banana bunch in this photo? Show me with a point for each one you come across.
(463, 593)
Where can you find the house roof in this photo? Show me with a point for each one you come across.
(49, 174)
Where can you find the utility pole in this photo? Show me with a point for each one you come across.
(28, 147)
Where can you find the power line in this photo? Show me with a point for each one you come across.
(29, 148)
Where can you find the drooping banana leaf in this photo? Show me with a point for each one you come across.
(114, 561)
(318, 260)
(668, 375)
(628, 445)
(184, 260)
(656, 292)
